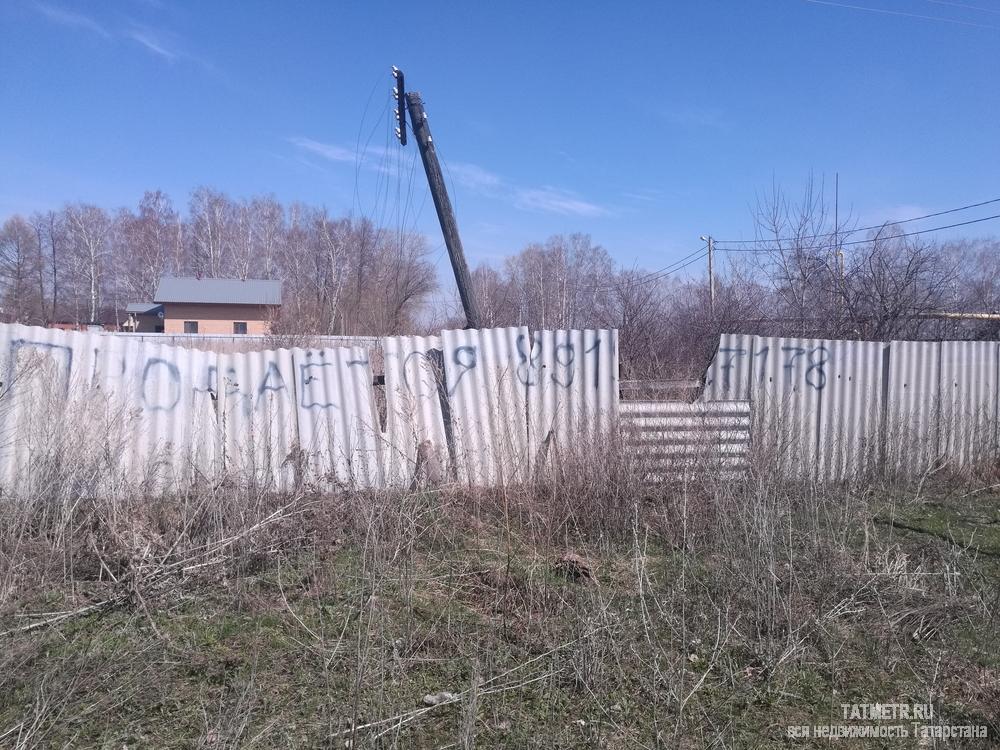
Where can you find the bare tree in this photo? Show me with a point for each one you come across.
(403, 278)
(90, 230)
(50, 229)
(976, 288)
(809, 275)
(348, 277)
(888, 286)
(314, 264)
(268, 219)
(211, 224)
(827, 281)
(146, 244)
(563, 283)
(20, 261)
(492, 292)
(636, 307)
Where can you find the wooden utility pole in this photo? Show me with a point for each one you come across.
(442, 204)
(711, 272)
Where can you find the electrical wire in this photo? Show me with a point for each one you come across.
(963, 5)
(863, 242)
(358, 153)
(861, 229)
(660, 273)
(888, 12)
(703, 253)
(657, 275)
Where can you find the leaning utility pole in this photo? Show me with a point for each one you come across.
(428, 155)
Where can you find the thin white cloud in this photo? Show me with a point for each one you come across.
(153, 44)
(326, 150)
(157, 43)
(473, 177)
(552, 200)
(646, 195)
(371, 157)
(890, 214)
(70, 18)
(544, 199)
(167, 47)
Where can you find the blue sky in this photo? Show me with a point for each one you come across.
(642, 124)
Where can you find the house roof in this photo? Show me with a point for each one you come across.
(218, 291)
(143, 308)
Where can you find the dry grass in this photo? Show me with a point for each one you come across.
(584, 609)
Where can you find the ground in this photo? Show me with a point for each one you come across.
(676, 627)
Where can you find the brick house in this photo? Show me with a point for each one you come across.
(217, 306)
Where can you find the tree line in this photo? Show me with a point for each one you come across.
(805, 275)
(83, 264)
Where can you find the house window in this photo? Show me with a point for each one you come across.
(190, 326)
(240, 327)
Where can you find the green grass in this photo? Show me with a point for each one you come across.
(972, 522)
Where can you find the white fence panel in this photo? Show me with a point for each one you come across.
(417, 442)
(114, 414)
(913, 405)
(39, 373)
(172, 424)
(786, 382)
(572, 387)
(728, 376)
(485, 374)
(850, 424)
(338, 427)
(257, 408)
(968, 393)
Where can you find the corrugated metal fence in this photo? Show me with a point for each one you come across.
(673, 440)
(478, 406)
(483, 407)
(834, 409)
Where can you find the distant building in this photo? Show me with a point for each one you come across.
(143, 317)
(69, 325)
(217, 306)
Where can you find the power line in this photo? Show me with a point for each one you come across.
(700, 257)
(678, 265)
(862, 242)
(861, 229)
(963, 5)
(668, 269)
(887, 12)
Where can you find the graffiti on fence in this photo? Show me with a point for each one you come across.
(466, 392)
(808, 361)
(844, 406)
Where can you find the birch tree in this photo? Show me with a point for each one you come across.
(146, 245)
(89, 230)
(211, 219)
